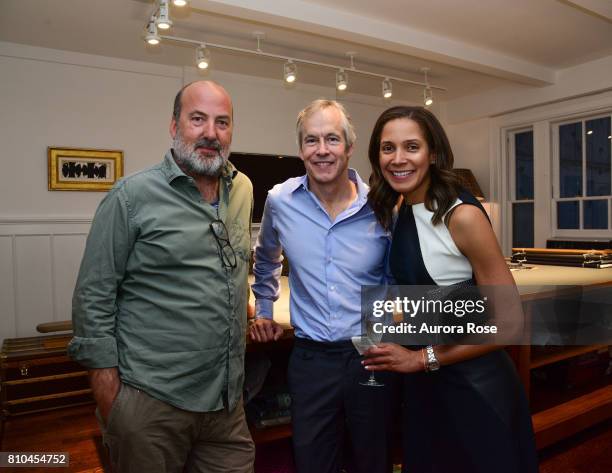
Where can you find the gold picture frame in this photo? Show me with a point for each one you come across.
(75, 169)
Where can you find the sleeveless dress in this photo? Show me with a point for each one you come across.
(468, 417)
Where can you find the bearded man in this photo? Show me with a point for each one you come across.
(160, 304)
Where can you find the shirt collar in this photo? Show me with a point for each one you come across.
(170, 168)
(362, 188)
(172, 171)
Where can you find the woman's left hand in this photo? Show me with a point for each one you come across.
(393, 357)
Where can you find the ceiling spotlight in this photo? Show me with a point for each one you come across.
(163, 18)
(290, 71)
(590, 132)
(387, 88)
(341, 80)
(427, 93)
(152, 37)
(427, 96)
(179, 3)
(202, 57)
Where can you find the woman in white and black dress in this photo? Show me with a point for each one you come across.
(464, 406)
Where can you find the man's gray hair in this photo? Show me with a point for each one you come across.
(178, 105)
(321, 104)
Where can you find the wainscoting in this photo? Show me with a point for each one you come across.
(39, 262)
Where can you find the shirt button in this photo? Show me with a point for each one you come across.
(333, 288)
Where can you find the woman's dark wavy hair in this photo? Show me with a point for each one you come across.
(444, 184)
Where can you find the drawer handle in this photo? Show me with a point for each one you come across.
(24, 370)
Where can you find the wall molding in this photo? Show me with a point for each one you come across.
(46, 220)
(71, 58)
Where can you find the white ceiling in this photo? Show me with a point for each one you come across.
(470, 45)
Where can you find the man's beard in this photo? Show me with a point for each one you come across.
(190, 162)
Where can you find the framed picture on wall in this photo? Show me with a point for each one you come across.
(72, 169)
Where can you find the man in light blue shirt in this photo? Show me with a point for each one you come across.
(324, 225)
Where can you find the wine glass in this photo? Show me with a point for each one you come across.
(364, 342)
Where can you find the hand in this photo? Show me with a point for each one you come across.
(265, 330)
(250, 311)
(105, 384)
(392, 357)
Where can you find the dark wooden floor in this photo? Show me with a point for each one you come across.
(75, 430)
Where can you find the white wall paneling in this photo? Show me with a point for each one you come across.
(8, 321)
(39, 260)
(33, 281)
(67, 251)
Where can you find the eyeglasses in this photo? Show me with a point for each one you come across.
(228, 255)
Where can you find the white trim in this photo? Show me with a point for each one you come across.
(15, 284)
(58, 56)
(542, 184)
(554, 149)
(511, 198)
(45, 220)
(53, 279)
(583, 234)
(44, 226)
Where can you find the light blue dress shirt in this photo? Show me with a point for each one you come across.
(329, 260)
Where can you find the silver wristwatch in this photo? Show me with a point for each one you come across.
(431, 362)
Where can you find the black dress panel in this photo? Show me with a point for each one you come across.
(469, 417)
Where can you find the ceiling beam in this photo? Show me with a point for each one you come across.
(338, 24)
(598, 8)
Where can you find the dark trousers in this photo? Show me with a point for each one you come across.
(329, 405)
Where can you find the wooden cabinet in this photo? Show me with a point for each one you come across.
(37, 375)
(560, 410)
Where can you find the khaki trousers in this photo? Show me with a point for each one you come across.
(145, 434)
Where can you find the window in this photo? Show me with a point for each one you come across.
(582, 178)
(563, 150)
(520, 147)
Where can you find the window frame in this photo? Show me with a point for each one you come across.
(540, 117)
(511, 182)
(556, 186)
